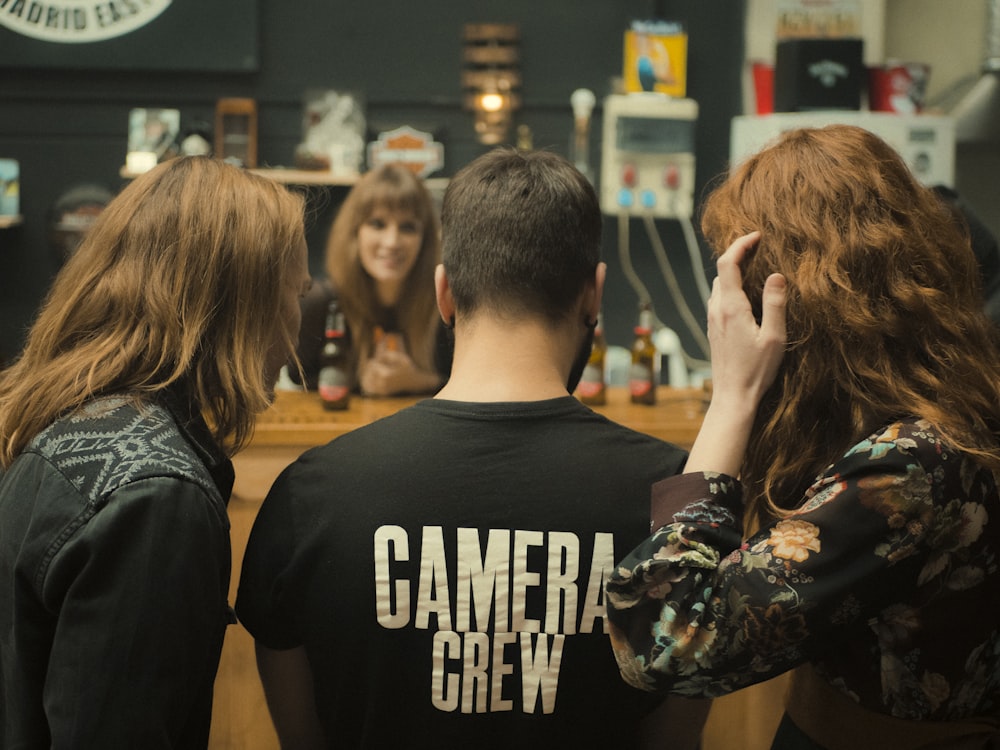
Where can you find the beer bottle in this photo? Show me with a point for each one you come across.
(644, 374)
(334, 365)
(592, 389)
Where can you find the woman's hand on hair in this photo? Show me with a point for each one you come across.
(745, 360)
(745, 354)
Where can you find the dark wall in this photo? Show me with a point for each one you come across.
(68, 126)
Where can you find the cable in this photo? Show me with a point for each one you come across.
(626, 261)
(671, 278)
(697, 262)
(692, 363)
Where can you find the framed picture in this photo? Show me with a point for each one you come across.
(153, 131)
(10, 187)
(236, 131)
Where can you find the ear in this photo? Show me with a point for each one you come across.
(442, 291)
(592, 294)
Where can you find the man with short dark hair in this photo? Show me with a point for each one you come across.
(436, 577)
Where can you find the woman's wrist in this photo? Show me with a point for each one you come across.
(723, 437)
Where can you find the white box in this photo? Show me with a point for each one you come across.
(926, 142)
(647, 155)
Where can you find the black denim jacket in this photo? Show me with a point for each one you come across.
(114, 576)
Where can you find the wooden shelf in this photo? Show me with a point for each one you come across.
(287, 176)
(10, 221)
(316, 177)
(306, 176)
(313, 177)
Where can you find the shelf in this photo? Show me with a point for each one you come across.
(317, 177)
(306, 176)
(10, 221)
(287, 176)
(313, 177)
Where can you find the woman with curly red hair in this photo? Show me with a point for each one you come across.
(839, 514)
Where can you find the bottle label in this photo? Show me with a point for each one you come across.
(640, 381)
(332, 392)
(333, 384)
(590, 386)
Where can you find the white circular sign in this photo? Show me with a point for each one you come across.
(73, 21)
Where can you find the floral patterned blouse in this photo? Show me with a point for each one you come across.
(885, 578)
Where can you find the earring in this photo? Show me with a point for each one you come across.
(591, 324)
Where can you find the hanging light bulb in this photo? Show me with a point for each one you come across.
(491, 102)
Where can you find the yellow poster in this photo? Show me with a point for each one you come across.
(656, 58)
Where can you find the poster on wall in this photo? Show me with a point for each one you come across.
(177, 35)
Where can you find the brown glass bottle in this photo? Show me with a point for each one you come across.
(334, 382)
(592, 389)
(644, 372)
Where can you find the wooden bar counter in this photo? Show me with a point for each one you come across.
(295, 422)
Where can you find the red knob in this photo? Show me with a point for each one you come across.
(672, 176)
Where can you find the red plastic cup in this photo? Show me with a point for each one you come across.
(898, 87)
(763, 86)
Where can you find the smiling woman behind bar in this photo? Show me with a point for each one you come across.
(380, 260)
(159, 342)
(866, 450)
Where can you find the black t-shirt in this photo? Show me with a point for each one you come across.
(444, 569)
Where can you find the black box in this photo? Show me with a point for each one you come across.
(811, 74)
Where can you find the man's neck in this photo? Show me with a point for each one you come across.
(501, 361)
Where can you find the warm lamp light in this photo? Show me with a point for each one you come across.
(490, 102)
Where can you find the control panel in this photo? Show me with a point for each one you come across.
(647, 155)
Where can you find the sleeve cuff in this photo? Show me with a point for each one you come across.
(672, 495)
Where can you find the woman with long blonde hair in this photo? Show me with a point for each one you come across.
(160, 340)
(839, 514)
(380, 259)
